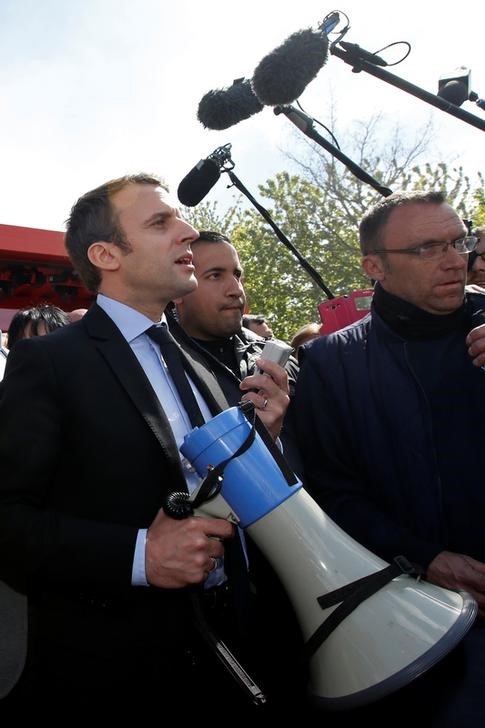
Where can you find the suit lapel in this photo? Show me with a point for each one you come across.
(117, 353)
(125, 366)
(205, 381)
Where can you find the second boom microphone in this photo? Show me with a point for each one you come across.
(198, 182)
(202, 178)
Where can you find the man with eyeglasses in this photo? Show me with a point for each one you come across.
(389, 414)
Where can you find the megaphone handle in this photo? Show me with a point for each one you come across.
(225, 656)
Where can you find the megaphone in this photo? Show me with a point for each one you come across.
(389, 638)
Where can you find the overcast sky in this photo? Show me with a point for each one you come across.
(91, 89)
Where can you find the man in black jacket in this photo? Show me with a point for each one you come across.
(209, 320)
(389, 415)
(212, 315)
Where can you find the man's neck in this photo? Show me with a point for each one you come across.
(152, 311)
(223, 351)
(411, 322)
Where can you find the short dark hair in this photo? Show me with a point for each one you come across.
(93, 218)
(371, 229)
(210, 236)
(253, 318)
(51, 317)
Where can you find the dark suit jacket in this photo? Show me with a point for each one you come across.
(87, 457)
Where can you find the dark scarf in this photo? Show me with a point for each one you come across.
(411, 322)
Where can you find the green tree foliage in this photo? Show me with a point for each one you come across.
(478, 212)
(276, 283)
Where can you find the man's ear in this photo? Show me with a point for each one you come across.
(105, 256)
(374, 267)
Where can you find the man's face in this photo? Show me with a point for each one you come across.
(261, 329)
(159, 266)
(436, 286)
(214, 310)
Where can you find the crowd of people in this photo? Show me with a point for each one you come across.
(132, 603)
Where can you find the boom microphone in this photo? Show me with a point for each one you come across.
(282, 75)
(225, 107)
(202, 178)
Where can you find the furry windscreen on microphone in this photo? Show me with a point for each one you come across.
(282, 75)
(198, 182)
(225, 107)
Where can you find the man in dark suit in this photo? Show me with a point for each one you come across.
(89, 446)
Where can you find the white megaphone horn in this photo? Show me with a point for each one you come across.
(389, 638)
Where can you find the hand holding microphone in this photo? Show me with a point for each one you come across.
(268, 387)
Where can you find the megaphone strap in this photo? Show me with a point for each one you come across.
(278, 456)
(351, 595)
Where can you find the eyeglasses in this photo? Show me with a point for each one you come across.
(433, 251)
